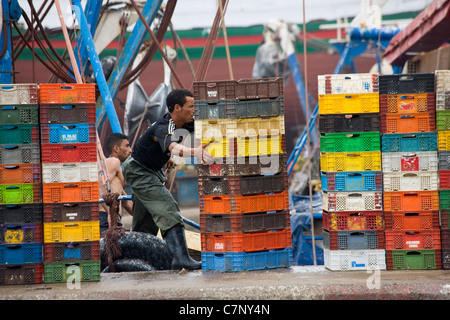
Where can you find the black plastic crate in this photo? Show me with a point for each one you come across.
(21, 213)
(357, 122)
(406, 83)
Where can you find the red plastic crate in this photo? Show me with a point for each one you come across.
(20, 173)
(70, 192)
(75, 211)
(352, 220)
(71, 251)
(445, 219)
(444, 179)
(246, 242)
(67, 93)
(69, 153)
(411, 200)
(28, 273)
(445, 239)
(244, 204)
(421, 220)
(413, 239)
(406, 123)
(73, 113)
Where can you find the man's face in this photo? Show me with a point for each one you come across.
(123, 150)
(188, 110)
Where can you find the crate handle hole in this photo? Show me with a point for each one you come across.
(411, 214)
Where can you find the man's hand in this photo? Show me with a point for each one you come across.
(204, 156)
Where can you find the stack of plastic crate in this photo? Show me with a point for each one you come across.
(69, 182)
(442, 90)
(350, 160)
(410, 176)
(243, 195)
(20, 189)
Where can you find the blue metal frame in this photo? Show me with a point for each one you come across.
(6, 60)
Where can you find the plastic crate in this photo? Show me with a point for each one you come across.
(445, 259)
(352, 220)
(72, 113)
(347, 83)
(220, 204)
(69, 153)
(59, 272)
(248, 222)
(20, 173)
(406, 123)
(23, 93)
(246, 242)
(19, 114)
(239, 109)
(441, 80)
(413, 239)
(244, 89)
(240, 261)
(410, 181)
(444, 179)
(29, 273)
(407, 103)
(409, 142)
(71, 251)
(70, 192)
(406, 83)
(68, 133)
(353, 239)
(350, 161)
(21, 253)
(69, 172)
(341, 260)
(443, 140)
(413, 259)
(352, 181)
(67, 212)
(445, 239)
(21, 233)
(444, 160)
(444, 199)
(442, 120)
(350, 142)
(21, 213)
(349, 103)
(71, 231)
(409, 161)
(352, 201)
(416, 220)
(20, 193)
(22, 153)
(445, 219)
(19, 134)
(244, 166)
(66, 93)
(355, 122)
(442, 100)
(242, 185)
(411, 201)
(233, 128)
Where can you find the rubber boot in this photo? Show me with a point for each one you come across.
(176, 243)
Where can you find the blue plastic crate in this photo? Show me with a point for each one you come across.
(409, 142)
(21, 253)
(239, 261)
(68, 133)
(352, 181)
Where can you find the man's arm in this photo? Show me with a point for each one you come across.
(200, 153)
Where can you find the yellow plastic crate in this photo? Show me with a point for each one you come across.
(350, 161)
(73, 231)
(349, 103)
(232, 128)
(443, 140)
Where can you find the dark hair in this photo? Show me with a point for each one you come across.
(177, 96)
(114, 139)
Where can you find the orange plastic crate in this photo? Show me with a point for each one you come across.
(405, 123)
(353, 220)
(411, 200)
(413, 239)
(418, 220)
(69, 93)
(70, 192)
(407, 103)
(244, 204)
(246, 242)
(20, 173)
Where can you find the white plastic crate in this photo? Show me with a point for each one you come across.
(410, 181)
(442, 100)
(339, 260)
(347, 83)
(442, 80)
(69, 172)
(352, 201)
(409, 161)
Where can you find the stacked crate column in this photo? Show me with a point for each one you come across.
(20, 179)
(410, 176)
(70, 182)
(350, 160)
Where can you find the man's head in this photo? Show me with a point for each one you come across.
(180, 103)
(117, 145)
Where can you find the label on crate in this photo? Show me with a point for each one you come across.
(14, 236)
(410, 163)
(72, 137)
(356, 223)
(219, 246)
(413, 244)
(72, 253)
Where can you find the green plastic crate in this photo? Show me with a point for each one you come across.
(413, 259)
(19, 114)
(442, 120)
(20, 193)
(57, 272)
(350, 142)
(444, 199)
(15, 134)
